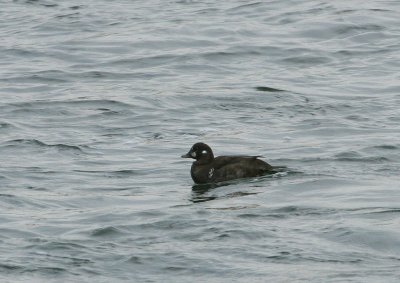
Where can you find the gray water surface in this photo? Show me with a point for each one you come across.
(99, 99)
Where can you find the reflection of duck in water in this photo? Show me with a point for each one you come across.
(207, 169)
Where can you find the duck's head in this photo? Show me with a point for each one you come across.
(200, 151)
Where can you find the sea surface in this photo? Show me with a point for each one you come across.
(99, 99)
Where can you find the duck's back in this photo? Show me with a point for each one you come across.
(234, 167)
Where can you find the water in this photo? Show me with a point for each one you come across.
(100, 99)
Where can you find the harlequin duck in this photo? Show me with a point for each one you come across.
(207, 169)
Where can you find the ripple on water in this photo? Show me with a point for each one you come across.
(40, 144)
(107, 232)
(353, 156)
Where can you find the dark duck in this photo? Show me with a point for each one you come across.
(210, 169)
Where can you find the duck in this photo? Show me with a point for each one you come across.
(209, 169)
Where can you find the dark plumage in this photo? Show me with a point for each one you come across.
(207, 169)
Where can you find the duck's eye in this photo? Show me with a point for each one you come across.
(204, 152)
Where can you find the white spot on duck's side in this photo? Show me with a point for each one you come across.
(210, 173)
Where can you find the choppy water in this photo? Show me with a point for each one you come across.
(100, 98)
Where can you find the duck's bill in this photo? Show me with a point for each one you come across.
(187, 155)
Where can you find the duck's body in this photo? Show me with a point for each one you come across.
(207, 169)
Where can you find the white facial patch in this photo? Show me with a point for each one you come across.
(193, 154)
(210, 173)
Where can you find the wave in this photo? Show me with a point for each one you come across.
(38, 143)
